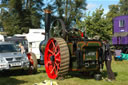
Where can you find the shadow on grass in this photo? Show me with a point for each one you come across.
(79, 75)
(86, 75)
(8, 73)
(42, 71)
(11, 81)
(104, 74)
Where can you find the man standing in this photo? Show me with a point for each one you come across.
(108, 60)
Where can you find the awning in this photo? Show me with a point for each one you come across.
(120, 34)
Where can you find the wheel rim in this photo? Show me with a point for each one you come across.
(52, 58)
(31, 63)
(30, 58)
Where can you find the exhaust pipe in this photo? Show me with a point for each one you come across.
(47, 21)
(47, 28)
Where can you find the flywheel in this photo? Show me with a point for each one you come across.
(58, 29)
(56, 58)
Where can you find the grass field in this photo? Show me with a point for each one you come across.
(120, 68)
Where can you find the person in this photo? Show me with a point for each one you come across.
(108, 60)
(101, 59)
(21, 48)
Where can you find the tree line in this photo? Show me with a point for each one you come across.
(18, 16)
(101, 24)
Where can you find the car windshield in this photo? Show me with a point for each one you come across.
(7, 48)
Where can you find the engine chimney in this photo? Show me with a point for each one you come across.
(47, 21)
(47, 28)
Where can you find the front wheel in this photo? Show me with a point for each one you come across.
(56, 58)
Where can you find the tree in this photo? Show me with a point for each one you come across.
(19, 15)
(33, 13)
(123, 7)
(114, 11)
(97, 24)
(70, 10)
(10, 16)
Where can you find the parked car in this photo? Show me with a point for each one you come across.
(11, 58)
(17, 40)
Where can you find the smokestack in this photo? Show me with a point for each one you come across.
(47, 21)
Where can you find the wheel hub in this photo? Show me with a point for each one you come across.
(52, 58)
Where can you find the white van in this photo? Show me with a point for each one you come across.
(1, 38)
(34, 38)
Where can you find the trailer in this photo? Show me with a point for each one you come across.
(120, 33)
(120, 37)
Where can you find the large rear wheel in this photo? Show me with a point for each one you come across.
(56, 58)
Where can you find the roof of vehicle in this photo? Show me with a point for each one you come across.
(3, 43)
(15, 38)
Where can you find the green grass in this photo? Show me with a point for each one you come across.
(119, 67)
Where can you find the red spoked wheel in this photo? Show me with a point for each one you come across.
(56, 58)
(33, 63)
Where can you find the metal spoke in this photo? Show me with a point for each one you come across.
(57, 66)
(57, 54)
(57, 47)
(53, 69)
(48, 63)
(58, 59)
(51, 52)
(53, 44)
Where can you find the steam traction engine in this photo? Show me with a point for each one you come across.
(69, 50)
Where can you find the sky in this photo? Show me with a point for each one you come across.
(93, 4)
